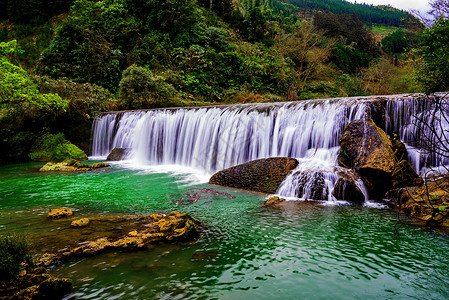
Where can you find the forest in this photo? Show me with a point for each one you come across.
(62, 62)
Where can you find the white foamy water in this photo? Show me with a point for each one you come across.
(197, 142)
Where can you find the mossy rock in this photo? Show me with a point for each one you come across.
(425, 203)
(404, 175)
(71, 165)
(262, 175)
(54, 147)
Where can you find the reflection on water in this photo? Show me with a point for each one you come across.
(313, 252)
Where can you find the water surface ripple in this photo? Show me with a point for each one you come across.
(245, 251)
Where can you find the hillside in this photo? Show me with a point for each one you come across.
(368, 14)
(131, 54)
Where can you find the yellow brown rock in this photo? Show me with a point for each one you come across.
(58, 213)
(71, 165)
(368, 150)
(35, 283)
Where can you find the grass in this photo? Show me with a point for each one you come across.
(14, 250)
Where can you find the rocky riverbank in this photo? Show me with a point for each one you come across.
(78, 236)
(91, 235)
(428, 203)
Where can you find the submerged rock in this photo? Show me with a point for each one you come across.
(71, 165)
(262, 175)
(118, 232)
(58, 213)
(117, 154)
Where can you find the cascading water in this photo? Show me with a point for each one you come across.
(215, 138)
(415, 119)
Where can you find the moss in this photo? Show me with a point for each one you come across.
(54, 147)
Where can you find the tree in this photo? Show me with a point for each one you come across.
(139, 88)
(349, 29)
(18, 92)
(434, 51)
(395, 42)
(22, 106)
(172, 16)
(308, 49)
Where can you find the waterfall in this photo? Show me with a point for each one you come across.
(218, 137)
(215, 138)
(415, 119)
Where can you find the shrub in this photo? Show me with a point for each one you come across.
(54, 147)
(14, 250)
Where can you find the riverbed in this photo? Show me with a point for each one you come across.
(320, 250)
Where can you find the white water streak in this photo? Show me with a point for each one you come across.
(215, 138)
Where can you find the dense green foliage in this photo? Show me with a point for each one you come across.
(434, 50)
(17, 91)
(31, 106)
(139, 88)
(85, 99)
(399, 41)
(367, 13)
(14, 250)
(54, 147)
(90, 56)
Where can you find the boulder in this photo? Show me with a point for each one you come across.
(117, 154)
(346, 188)
(262, 175)
(59, 213)
(404, 175)
(366, 148)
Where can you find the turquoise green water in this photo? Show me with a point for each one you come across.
(246, 252)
